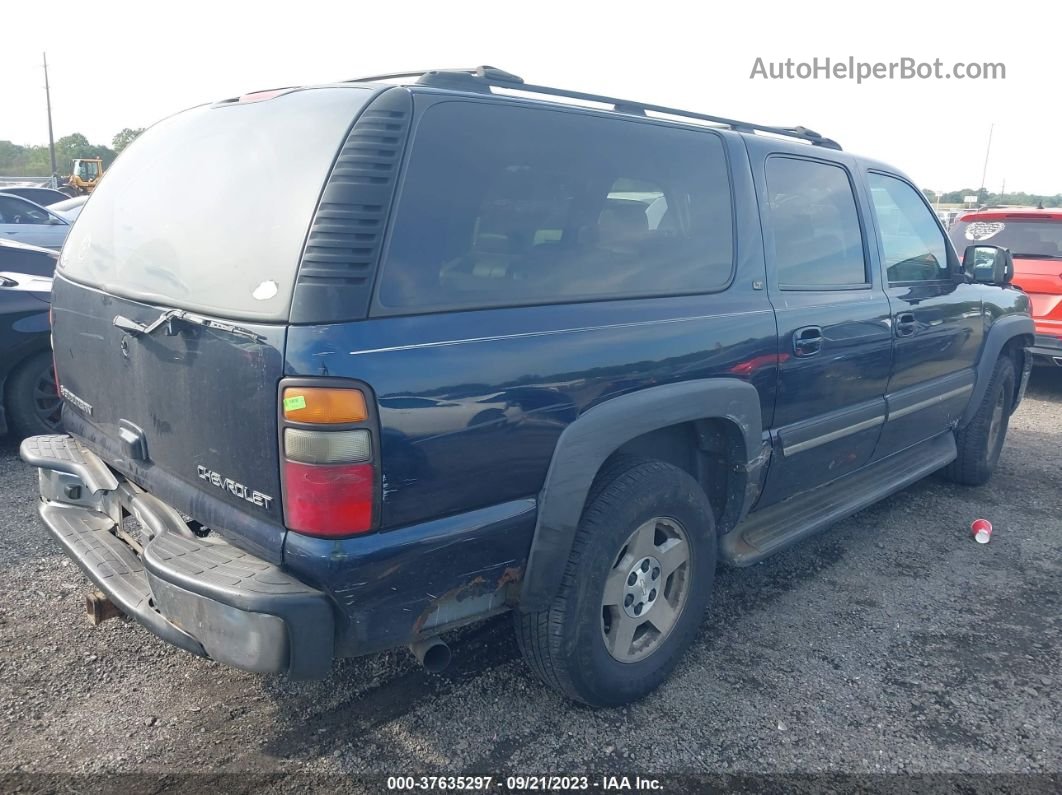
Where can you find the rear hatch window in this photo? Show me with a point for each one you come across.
(209, 209)
(1029, 238)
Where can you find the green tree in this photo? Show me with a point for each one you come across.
(71, 147)
(956, 196)
(124, 138)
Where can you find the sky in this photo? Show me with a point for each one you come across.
(116, 64)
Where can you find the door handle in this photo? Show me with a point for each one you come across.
(905, 324)
(807, 341)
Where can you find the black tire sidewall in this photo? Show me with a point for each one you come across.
(22, 413)
(1003, 381)
(662, 491)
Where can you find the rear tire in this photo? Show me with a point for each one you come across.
(634, 590)
(33, 405)
(981, 441)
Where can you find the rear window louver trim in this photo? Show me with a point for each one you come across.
(343, 246)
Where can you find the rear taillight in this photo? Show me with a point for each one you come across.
(328, 442)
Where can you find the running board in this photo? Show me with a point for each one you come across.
(774, 528)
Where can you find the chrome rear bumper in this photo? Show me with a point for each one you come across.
(203, 595)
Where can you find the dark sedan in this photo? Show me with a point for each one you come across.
(42, 196)
(18, 257)
(30, 402)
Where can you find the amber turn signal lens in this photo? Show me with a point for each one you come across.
(324, 405)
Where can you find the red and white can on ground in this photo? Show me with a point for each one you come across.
(982, 530)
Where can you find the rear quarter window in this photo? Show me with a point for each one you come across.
(506, 205)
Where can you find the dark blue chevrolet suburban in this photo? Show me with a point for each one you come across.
(485, 346)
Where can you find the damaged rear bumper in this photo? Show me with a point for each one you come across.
(201, 594)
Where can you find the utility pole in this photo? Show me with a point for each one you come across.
(988, 149)
(51, 137)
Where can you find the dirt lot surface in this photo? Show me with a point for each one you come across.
(892, 643)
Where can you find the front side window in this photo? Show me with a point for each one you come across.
(818, 242)
(912, 242)
(507, 205)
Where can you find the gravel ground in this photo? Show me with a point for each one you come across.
(892, 643)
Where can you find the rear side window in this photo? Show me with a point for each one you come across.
(507, 205)
(818, 242)
(913, 244)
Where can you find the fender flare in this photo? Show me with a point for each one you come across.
(588, 441)
(999, 334)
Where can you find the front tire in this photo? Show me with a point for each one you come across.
(981, 441)
(634, 590)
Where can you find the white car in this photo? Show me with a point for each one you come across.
(68, 209)
(26, 222)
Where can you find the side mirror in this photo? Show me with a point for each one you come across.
(988, 264)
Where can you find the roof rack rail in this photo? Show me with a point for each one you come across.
(481, 78)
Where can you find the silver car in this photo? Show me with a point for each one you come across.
(68, 209)
(26, 222)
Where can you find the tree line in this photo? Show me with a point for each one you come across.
(35, 161)
(987, 197)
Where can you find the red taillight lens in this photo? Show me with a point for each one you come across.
(328, 501)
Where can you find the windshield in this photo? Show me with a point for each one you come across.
(1024, 237)
(209, 209)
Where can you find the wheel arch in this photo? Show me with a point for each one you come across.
(1011, 331)
(588, 442)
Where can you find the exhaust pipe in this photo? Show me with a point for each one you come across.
(1057, 360)
(432, 653)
